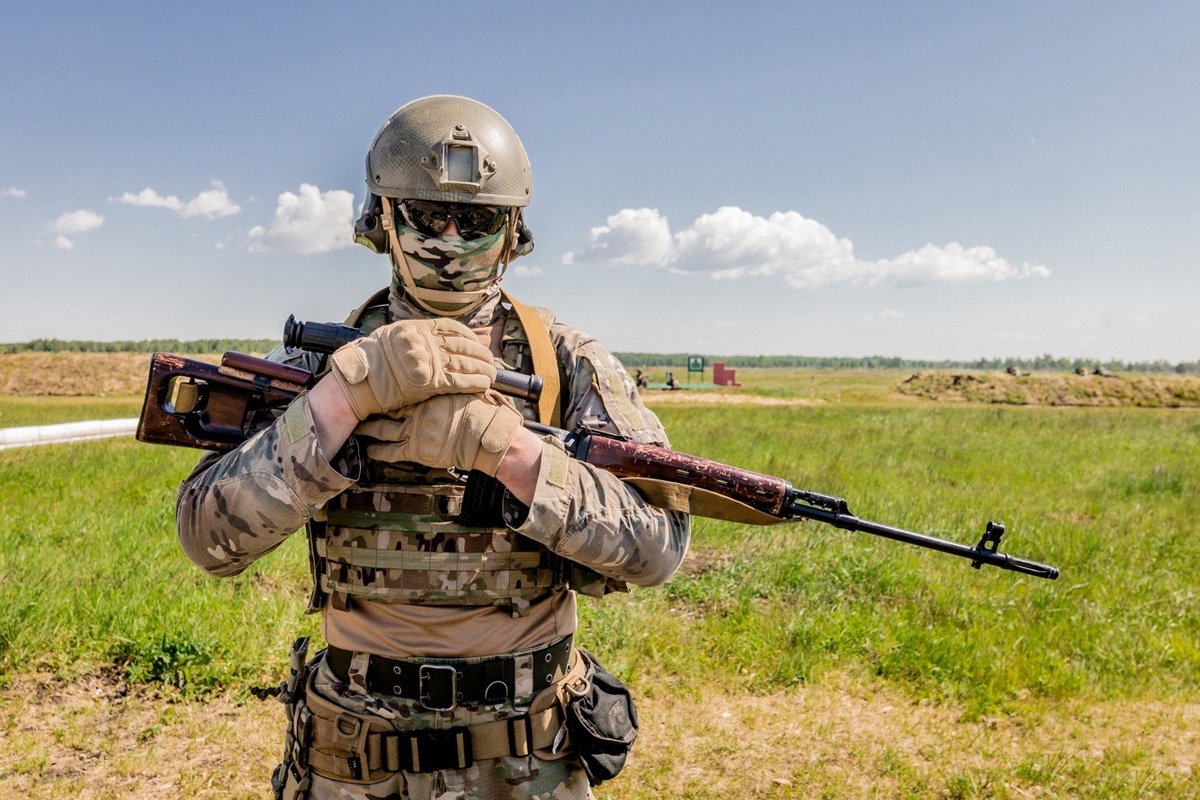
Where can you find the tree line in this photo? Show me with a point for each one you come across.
(1045, 362)
(193, 347)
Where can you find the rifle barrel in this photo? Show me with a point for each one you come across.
(978, 555)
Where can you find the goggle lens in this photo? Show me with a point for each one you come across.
(431, 218)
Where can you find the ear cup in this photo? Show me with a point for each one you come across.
(367, 229)
(524, 245)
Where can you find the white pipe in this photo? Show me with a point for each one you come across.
(66, 432)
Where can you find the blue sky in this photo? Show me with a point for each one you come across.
(927, 180)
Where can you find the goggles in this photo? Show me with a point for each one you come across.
(430, 218)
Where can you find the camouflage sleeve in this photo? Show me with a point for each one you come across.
(584, 513)
(236, 508)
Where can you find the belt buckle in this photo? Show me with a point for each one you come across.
(435, 678)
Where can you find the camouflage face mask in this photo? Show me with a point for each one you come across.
(448, 275)
(451, 263)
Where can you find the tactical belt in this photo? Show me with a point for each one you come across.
(371, 755)
(442, 685)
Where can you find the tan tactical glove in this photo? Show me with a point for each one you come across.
(406, 362)
(463, 431)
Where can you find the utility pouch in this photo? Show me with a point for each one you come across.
(601, 720)
(483, 501)
(290, 780)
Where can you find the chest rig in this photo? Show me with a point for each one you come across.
(406, 533)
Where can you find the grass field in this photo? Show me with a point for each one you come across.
(789, 661)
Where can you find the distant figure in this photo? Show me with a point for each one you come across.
(1015, 372)
(672, 382)
(1081, 371)
(641, 380)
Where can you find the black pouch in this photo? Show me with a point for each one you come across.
(602, 720)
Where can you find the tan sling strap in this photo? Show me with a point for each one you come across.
(545, 361)
(700, 502)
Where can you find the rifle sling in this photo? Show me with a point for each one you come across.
(699, 502)
(545, 361)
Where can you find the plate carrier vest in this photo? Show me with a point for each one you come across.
(398, 535)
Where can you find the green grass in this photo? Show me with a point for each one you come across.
(91, 575)
(1110, 497)
(20, 411)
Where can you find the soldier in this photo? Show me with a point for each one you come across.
(447, 542)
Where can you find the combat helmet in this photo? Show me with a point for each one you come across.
(445, 149)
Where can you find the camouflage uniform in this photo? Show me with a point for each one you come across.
(585, 531)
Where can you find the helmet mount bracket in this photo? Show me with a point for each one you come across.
(458, 162)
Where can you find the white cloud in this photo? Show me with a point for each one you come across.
(213, 203)
(73, 222)
(951, 264)
(309, 222)
(13, 191)
(731, 243)
(523, 271)
(148, 198)
(76, 222)
(632, 236)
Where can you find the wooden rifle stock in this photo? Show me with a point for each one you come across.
(192, 403)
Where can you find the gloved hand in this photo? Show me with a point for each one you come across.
(463, 431)
(406, 362)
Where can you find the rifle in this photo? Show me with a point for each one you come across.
(195, 404)
(718, 491)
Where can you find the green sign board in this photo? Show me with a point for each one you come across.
(695, 363)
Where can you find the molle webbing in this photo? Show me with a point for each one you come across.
(455, 578)
(403, 545)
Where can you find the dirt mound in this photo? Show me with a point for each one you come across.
(76, 374)
(1055, 389)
